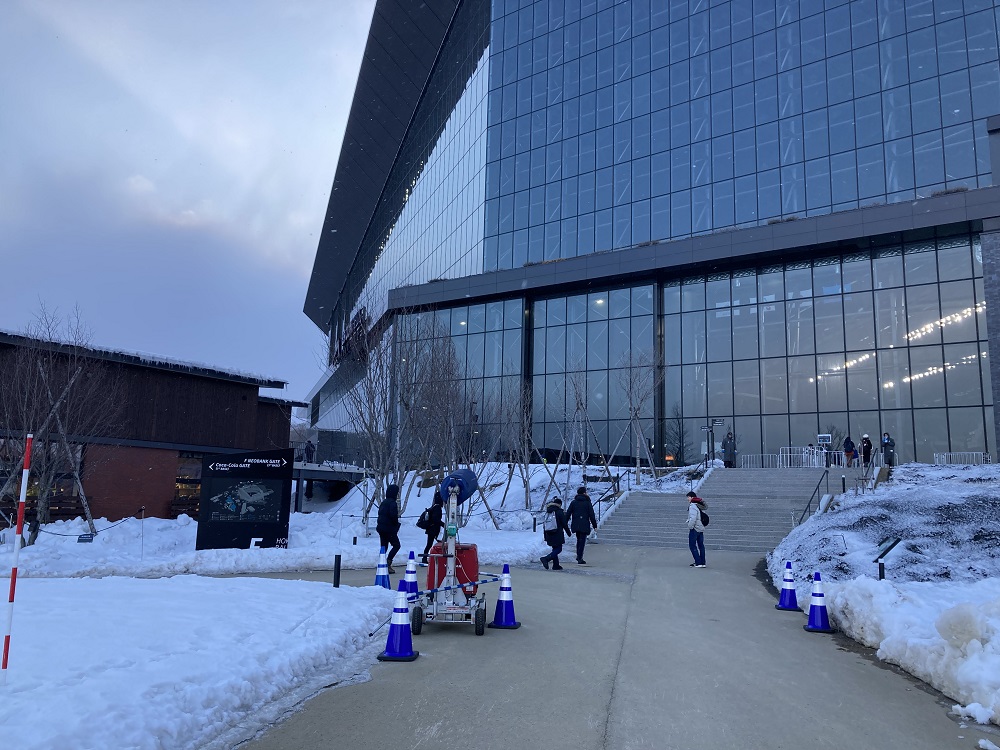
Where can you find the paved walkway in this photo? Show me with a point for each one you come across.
(636, 650)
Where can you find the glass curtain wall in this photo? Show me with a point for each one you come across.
(617, 123)
(887, 340)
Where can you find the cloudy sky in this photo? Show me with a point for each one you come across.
(165, 165)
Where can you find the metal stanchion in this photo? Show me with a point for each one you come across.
(336, 571)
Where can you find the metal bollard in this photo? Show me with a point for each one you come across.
(843, 484)
(534, 525)
(355, 542)
(336, 571)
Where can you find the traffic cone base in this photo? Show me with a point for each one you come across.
(412, 588)
(382, 571)
(788, 602)
(399, 644)
(818, 620)
(504, 616)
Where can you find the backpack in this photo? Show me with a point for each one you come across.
(551, 523)
(704, 517)
(425, 519)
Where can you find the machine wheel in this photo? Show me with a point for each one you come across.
(416, 620)
(480, 621)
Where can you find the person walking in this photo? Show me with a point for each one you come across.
(729, 451)
(581, 520)
(388, 523)
(866, 450)
(554, 525)
(309, 450)
(849, 451)
(435, 523)
(696, 529)
(888, 449)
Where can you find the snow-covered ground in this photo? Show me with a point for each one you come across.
(937, 614)
(144, 654)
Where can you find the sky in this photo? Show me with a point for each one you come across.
(265, 645)
(166, 169)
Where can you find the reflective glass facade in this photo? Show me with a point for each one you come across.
(613, 124)
(555, 129)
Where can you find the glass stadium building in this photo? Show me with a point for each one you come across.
(784, 208)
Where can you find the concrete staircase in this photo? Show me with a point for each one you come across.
(751, 510)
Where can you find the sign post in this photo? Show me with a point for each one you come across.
(245, 500)
(17, 552)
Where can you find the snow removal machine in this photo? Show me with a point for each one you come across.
(452, 594)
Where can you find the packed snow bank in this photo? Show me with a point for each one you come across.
(938, 615)
(176, 663)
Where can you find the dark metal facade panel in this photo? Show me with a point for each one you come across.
(403, 43)
(729, 247)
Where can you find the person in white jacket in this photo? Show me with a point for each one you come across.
(696, 529)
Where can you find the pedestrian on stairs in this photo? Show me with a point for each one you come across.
(696, 529)
(581, 519)
(553, 526)
(729, 451)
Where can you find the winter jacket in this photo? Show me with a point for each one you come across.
(888, 450)
(556, 538)
(435, 520)
(729, 449)
(581, 515)
(388, 512)
(866, 450)
(849, 448)
(694, 514)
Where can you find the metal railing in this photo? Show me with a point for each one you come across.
(967, 458)
(826, 477)
(759, 461)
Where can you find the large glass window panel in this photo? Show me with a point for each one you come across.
(597, 306)
(555, 312)
(798, 281)
(477, 318)
(775, 432)
(597, 345)
(720, 335)
(597, 395)
(954, 259)
(494, 354)
(576, 347)
(476, 354)
(826, 277)
(829, 324)
(930, 434)
(888, 270)
(920, 263)
(862, 381)
(966, 428)
(772, 330)
(746, 432)
(831, 383)
(718, 292)
(770, 285)
(799, 321)
(511, 352)
(744, 288)
(894, 378)
(857, 274)
(774, 385)
(555, 349)
(576, 309)
(641, 341)
(672, 339)
(927, 376)
(802, 429)
(538, 399)
(899, 425)
(642, 300)
(746, 387)
(834, 422)
(693, 337)
(693, 294)
(962, 374)
(958, 311)
(922, 315)
(745, 332)
(620, 302)
(619, 345)
(859, 321)
(695, 390)
(555, 398)
(720, 389)
(802, 384)
(890, 318)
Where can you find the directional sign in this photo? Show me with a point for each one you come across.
(245, 500)
(706, 428)
(718, 422)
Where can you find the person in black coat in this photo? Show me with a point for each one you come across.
(435, 522)
(554, 536)
(849, 451)
(888, 450)
(581, 520)
(388, 523)
(866, 450)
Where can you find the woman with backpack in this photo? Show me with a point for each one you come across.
(696, 522)
(431, 522)
(554, 525)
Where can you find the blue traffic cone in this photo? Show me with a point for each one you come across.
(818, 621)
(382, 572)
(504, 616)
(788, 602)
(412, 589)
(399, 645)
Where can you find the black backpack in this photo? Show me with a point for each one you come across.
(704, 517)
(424, 521)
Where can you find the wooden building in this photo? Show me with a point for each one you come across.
(168, 415)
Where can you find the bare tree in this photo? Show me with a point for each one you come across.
(516, 430)
(639, 379)
(57, 388)
(676, 437)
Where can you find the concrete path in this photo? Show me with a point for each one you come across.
(636, 650)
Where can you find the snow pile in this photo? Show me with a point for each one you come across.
(938, 615)
(215, 659)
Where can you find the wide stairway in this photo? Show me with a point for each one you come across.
(751, 510)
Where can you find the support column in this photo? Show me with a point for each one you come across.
(990, 243)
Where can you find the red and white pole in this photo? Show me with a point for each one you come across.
(17, 553)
